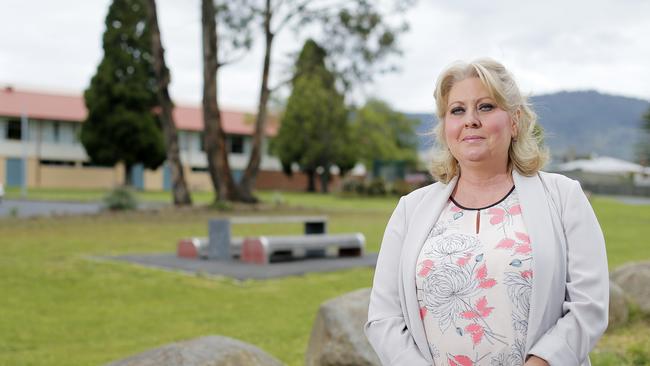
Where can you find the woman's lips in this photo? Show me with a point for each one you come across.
(472, 138)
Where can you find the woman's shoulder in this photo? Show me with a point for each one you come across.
(418, 194)
(558, 181)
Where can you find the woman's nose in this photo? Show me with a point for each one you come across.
(472, 120)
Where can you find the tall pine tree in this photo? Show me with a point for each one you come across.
(121, 125)
(314, 130)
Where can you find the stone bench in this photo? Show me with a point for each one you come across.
(268, 249)
(220, 245)
(197, 247)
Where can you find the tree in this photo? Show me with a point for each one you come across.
(314, 131)
(179, 189)
(358, 39)
(384, 134)
(214, 134)
(120, 125)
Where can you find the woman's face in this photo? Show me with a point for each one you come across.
(477, 131)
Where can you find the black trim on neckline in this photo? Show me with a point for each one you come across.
(482, 208)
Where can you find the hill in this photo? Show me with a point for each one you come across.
(579, 122)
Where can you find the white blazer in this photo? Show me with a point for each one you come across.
(570, 292)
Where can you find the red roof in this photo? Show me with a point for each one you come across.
(60, 107)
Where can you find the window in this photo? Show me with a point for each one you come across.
(57, 162)
(89, 164)
(201, 141)
(57, 132)
(236, 143)
(14, 131)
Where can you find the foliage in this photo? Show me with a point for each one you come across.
(382, 133)
(314, 130)
(357, 34)
(120, 199)
(376, 187)
(121, 97)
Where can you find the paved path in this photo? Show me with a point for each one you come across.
(31, 208)
(27, 208)
(242, 271)
(632, 200)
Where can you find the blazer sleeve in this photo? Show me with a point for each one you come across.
(586, 303)
(386, 329)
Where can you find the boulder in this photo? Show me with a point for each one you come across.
(618, 308)
(634, 278)
(337, 337)
(204, 351)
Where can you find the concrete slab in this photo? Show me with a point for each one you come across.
(243, 271)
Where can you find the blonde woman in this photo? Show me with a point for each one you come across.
(498, 263)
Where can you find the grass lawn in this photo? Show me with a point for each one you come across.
(59, 307)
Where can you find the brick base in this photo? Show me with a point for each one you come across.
(297, 182)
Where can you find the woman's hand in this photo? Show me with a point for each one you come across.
(536, 361)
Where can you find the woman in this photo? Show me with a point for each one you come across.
(497, 263)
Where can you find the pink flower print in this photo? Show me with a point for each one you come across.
(476, 331)
(463, 261)
(459, 360)
(498, 214)
(481, 310)
(481, 275)
(455, 208)
(523, 237)
(425, 267)
(524, 247)
(527, 274)
(423, 312)
(515, 210)
(505, 243)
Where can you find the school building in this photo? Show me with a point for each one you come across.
(47, 152)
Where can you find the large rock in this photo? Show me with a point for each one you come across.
(204, 351)
(618, 308)
(337, 338)
(634, 279)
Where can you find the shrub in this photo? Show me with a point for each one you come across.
(120, 199)
(376, 187)
(353, 186)
(401, 188)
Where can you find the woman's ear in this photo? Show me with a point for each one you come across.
(515, 123)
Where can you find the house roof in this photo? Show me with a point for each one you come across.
(603, 164)
(59, 107)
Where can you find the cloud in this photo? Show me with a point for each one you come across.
(549, 46)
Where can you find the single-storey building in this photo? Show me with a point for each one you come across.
(605, 170)
(53, 157)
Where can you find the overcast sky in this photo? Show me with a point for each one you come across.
(548, 45)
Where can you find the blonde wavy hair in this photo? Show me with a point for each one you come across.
(527, 152)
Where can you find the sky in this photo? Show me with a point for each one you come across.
(549, 46)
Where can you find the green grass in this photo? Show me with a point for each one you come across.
(58, 306)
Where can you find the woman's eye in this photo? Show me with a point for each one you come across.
(486, 107)
(457, 110)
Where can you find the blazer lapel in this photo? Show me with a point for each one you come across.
(539, 224)
(422, 218)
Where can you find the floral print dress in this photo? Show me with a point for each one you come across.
(474, 280)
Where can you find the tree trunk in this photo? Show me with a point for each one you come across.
(128, 175)
(247, 183)
(324, 181)
(214, 135)
(311, 180)
(179, 187)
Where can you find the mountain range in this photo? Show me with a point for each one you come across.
(576, 123)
